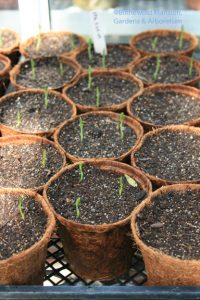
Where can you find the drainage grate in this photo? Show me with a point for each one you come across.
(58, 271)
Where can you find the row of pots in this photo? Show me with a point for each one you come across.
(100, 252)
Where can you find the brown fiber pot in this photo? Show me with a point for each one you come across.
(163, 269)
(180, 58)
(50, 36)
(179, 89)
(8, 51)
(193, 4)
(173, 128)
(16, 70)
(31, 139)
(27, 267)
(133, 124)
(99, 252)
(115, 107)
(6, 130)
(164, 33)
(7, 65)
(125, 68)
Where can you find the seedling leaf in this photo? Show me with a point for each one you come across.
(155, 75)
(89, 77)
(154, 43)
(18, 119)
(131, 181)
(77, 203)
(61, 69)
(81, 171)
(120, 185)
(44, 158)
(97, 96)
(81, 125)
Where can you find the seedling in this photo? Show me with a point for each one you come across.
(1, 39)
(38, 42)
(77, 203)
(81, 171)
(81, 125)
(154, 43)
(33, 69)
(155, 75)
(97, 96)
(61, 69)
(89, 48)
(121, 125)
(20, 207)
(180, 45)
(72, 41)
(131, 181)
(46, 92)
(104, 59)
(120, 185)
(191, 65)
(89, 77)
(18, 119)
(44, 158)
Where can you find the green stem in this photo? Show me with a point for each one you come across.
(89, 77)
(44, 158)
(81, 171)
(77, 203)
(20, 207)
(97, 96)
(18, 119)
(120, 185)
(180, 45)
(61, 69)
(33, 69)
(81, 125)
(191, 65)
(155, 75)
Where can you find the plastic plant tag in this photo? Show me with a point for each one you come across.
(131, 181)
(98, 36)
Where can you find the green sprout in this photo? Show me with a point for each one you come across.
(20, 207)
(72, 41)
(104, 58)
(191, 66)
(44, 158)
(77, 203)
(157, 70)
(81, 171)
(180, 45)
(46, 92)
(1, 39)
(131, 181)
(33, 69)
(121, 124)
(154, 43)
(61, 69)
(81, 125)
(97, 96)
(89, 48)
(120, 185)
(89, 77)
(18, 119)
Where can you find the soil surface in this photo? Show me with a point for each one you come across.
(165, 107)
(171, 71)
(24, 165)
(99, 192)
(53, 45)
(113, 90)
(2, 66)
(171, 156)
(171, 224)
(8, 39)
(165, 44)
(47, 74)
(101, 138)
(17, 234)
(116, 58)
(35, 117)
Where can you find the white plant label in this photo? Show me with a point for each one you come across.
(97, 33)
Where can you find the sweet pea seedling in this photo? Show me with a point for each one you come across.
(180, 45)
(157, 70)
(20, 207)
(81, 171)
(61, 69)
(44, 158)
(77, 203)
(89, 48)
(97, 96)
(89, 77)
(33, 69)
(120, 185)
(81, 125)
(104, 59)
(131, 181)
(46, 92)
(191, 66)
(18, 119)
(121, 125)
(72, 41)
(154, 43)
